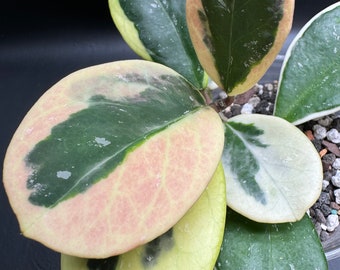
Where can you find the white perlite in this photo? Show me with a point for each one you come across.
(332, 222)
(254, 101)
(336, 179)
(247, 108)
(325, 184)
(325, 121)
(336, 164)
(319, 132)
(323, 227)
(333, 135)
(269, 86)
(337, 196)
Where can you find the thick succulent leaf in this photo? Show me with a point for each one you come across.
(111, 157)
(179, 248)
(268, 164)
(259, 246)
(236, 41)
(310, 79)
(157, 31)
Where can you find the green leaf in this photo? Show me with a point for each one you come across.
(157, 31)
(258, 246)
(180, 247)
(310, 82)
(111, 157)
(266, 159)
(92, 142)
(236, 41)
(246, 177)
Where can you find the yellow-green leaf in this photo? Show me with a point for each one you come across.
(157, 31)
(193, 243)
(111, 157)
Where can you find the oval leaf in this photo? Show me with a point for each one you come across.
(310, 79)
(179, 248)
(111, 157)
(157, 31)
(237, 41)
(258, 246)
(273, 171)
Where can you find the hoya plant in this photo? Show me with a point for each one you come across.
(129, 164)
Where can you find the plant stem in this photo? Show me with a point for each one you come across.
(221, 104)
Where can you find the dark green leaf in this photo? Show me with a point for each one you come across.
(242, 38)
(92, 142)
(310, 82)
(239, 136)
(162, 29)
(259, 246)
(251, 26)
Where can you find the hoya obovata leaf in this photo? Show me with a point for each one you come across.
(193, 243)
(157, 30)
(251, 245)
(273, 172)
(310, 82)
(236, 41)
(111, 157)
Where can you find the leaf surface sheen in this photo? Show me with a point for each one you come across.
(260, 246)
(121, 145)
(265, 167)
(102, 134)
(310, 78)
(161, 30)
(236, 41)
